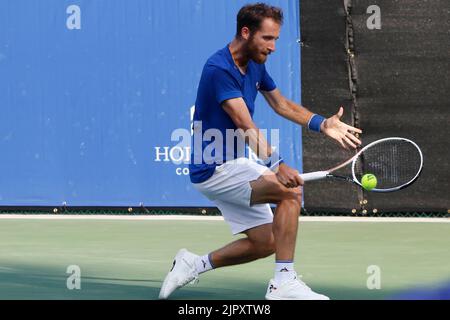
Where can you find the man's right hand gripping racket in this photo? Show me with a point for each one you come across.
(396, 162)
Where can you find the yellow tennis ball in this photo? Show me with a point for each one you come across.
(369, 181)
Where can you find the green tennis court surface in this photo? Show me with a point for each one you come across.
(129, 259)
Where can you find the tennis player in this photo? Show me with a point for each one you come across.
(243, 189)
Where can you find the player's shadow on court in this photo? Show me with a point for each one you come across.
(122, 279)
(27, 283)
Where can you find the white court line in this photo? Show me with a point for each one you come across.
(207, 218)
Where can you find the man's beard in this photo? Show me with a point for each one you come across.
(259, 58)
(255, 54)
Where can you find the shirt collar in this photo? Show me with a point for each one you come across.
(231, 61)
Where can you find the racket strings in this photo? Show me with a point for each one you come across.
(394, 162)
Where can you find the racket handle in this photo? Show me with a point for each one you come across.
(318, 175)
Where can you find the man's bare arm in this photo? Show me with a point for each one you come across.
(333, 127)
(286, 108)
(238, 112)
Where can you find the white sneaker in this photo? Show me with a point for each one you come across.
(183, 272)
(294, 289)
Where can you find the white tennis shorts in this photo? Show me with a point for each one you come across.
(229, 188)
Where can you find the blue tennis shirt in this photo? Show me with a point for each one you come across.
(221, 80)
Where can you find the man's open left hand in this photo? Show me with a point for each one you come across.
(344, 134)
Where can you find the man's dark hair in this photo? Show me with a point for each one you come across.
(252, 15)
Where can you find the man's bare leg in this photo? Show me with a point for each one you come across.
(258, 244)
(279, 237)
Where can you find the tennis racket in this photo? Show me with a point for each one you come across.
(396, 162)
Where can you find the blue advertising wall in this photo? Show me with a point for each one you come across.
(91, 92)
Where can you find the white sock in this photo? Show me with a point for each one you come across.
(203, 264)
(284, 271)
